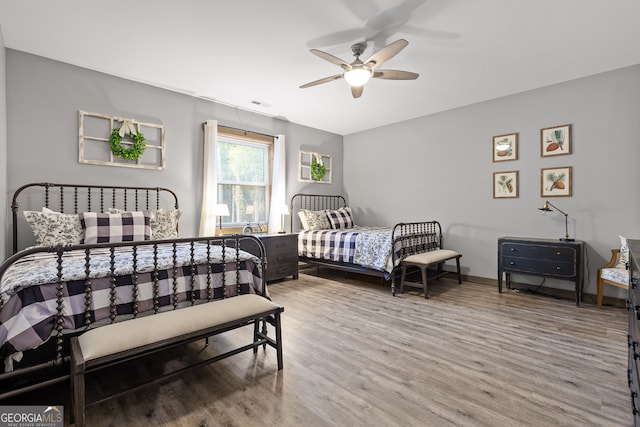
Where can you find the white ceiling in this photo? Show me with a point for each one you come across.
(240, 51)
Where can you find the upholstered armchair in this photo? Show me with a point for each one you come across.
(615, 273)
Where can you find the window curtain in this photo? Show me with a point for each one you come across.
(209, 179)
(278, 181)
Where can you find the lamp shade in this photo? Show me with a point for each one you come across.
(284, 210)
(220, 209)
(357, 76)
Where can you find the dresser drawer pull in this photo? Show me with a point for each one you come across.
(512, 263)
(557, 268)
(512, 249)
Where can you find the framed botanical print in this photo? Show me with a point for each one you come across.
(505, 185)
(555, 141)
(505, 147)
(556, 182)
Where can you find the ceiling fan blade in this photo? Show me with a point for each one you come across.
(333, 59)
(356, 91)
(387, 52)
(320, 81)
(394, 75)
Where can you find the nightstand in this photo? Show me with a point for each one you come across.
(282, 255)
(541, 257)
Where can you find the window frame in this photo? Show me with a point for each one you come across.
(249, 138)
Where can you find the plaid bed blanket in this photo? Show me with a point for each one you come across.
(29, 293)
(368, 247)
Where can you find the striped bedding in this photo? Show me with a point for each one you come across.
(28, 288)
(368, 247)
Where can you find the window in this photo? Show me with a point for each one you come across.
(244, 175)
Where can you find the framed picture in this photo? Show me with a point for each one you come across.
(505, 185)
(556, 182)
(505, 147)
(555, 141)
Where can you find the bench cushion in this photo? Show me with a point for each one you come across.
(431, 257)
(126, 335)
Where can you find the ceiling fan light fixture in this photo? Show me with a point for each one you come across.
(357, 76)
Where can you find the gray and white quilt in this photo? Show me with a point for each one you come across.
(29, 287)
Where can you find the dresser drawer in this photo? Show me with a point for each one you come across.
(543, 267)
(524, 250)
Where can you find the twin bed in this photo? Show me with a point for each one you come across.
(98, 255)
(329, 236)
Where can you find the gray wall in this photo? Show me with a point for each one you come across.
(440, 167)
(3, 149)
(44, 96)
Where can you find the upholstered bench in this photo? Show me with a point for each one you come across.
(426, 259)
(118, 342)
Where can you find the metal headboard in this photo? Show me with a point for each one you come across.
(74, 198)
(314, 202)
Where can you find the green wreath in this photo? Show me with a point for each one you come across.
(317, 170)
(133, 153)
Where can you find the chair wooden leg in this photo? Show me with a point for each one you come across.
(599, 292)
(424, 281)
(458, 267)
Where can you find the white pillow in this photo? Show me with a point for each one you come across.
(317, 220)
(303, 220)
(164, 224)
(623, 260)
(52, 228)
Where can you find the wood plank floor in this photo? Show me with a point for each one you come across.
(355, 356)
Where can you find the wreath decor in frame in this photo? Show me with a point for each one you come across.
(505, 185)
(556, 182)
(555, 141)
(505, 147)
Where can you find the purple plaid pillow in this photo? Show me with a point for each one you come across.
(115, 227)
(341, 218)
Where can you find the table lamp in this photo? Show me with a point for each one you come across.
(220, 210)
(546, 209)
(283, 211)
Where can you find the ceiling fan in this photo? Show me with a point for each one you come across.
(358, 72)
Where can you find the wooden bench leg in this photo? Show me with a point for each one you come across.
(256, 337)
(278, 341)
(458, 267)
(423, 268)
(402, 276)
(77, 383)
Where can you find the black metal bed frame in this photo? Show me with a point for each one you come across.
(120, 197)
(56, 360)
(408, 238)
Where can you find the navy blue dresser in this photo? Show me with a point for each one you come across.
(558, 259)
